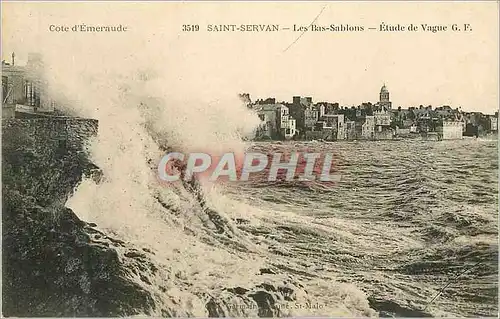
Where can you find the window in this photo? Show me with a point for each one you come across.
(5, 87)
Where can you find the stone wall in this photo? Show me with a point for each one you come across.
(386, 134)
(8, 111)
(47, 132)
(327, 134)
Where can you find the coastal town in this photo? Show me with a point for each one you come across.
(25, 95)
(303, 119)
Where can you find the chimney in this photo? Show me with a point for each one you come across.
(13, 58)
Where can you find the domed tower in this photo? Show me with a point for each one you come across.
(384, 98)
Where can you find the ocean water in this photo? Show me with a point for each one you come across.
(407, 219)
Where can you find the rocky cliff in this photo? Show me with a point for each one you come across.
(52, 263)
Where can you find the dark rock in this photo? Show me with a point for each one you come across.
(389, 308)
(267, 271)
(145, 279)
(51, 265)
(214, 309)
(287, 293)
(242, 221)
(267, 287)
(238, 290)
(134, 254)
(45, 273)
(148, 251)
(266, 303)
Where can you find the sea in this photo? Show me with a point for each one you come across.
(413, 223)
(410, 230)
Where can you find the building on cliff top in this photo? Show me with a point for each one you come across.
(24, 91)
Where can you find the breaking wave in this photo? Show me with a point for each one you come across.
(207, 263)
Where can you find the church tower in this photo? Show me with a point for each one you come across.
(384, 98)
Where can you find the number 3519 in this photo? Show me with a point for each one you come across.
(190, 27)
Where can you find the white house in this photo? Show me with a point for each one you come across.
(452, 130)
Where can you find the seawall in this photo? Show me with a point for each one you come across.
(42, 133)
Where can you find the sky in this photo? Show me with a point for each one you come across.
(448, 68)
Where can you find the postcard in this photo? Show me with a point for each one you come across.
(250, 159)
